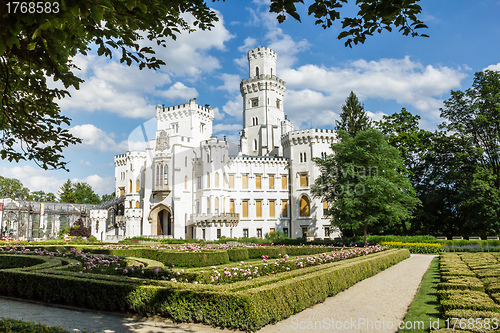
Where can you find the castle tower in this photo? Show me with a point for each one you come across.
(263, 114)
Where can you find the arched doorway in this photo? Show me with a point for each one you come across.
(161, 221)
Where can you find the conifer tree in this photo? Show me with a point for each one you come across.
(353, 118)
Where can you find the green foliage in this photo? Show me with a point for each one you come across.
(371, 17)
(244, 305)
(275, 237)
(36, 47)
(13, 188)
(353, 118)
(238, 254)
(363, 186)
(79, 192)
(425, 306)
(178, 258)
(19, 326)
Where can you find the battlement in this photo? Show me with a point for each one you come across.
(192, 106)
(260, 52)
(308, 135)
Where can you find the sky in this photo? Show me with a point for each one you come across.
(388, 72)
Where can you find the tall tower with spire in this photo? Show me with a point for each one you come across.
(263, 115)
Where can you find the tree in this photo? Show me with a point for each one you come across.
(12, 188)
(372, 16)
(475, 114)
(42, 196)
(362, 184)
(353, 117)
(108, 197)
(67, 192)
(38, 45)
(80, 192)
(85, 194)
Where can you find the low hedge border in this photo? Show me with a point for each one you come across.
(247, 309)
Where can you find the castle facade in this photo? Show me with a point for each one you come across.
(186, 184)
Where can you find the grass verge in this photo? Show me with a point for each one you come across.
(425, 308)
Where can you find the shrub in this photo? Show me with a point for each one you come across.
(467, 300)
(14, 326)
(238, 254)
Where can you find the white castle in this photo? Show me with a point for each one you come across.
(187, 185)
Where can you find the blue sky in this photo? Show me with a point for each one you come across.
(387, 73)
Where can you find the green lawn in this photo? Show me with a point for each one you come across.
(425, 307)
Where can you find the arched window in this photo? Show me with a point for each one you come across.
(185, 182)
(208, 180)
(158, 174)
(256, 120)
(216, 207)
(257, 71)
(130, 187)
(271, 72)
(185, 161)
(137, 185)
(301, 159)
(305, 206)
(137, 204)
(130, 204)
(165, 175)
(325, 207)
(305, 157)
(255, 144)
(216, 183)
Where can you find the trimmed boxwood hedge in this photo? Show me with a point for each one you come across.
(238, 254)
(246, 305)
(178, 258)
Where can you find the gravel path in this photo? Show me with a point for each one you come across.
(376, 304)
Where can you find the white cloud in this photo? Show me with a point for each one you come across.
(96, 139)
(495, 67)
(323, 90)
(35, 179)
(231, 128)
(100, 185)
(231, 82)
(248, 44)
(114, 87)
(180, 92)
(234, 107)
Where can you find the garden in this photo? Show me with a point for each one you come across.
(243, 287)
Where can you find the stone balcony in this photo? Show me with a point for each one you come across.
(215, 220)
(161, 191)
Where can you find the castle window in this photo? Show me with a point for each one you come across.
(271, 182)
(185, 161)
(325, 207)
(271, 72)
(305, 209)
(216, 183)
(231, 181)
(202, 127)
(255, 145)
(304, 182)
(219, 233)
(231, 206)
(301, 159)
(165, 175)
(137, 204)
(255, 102)
(257, 71)
(256, 120)
(258, 182)
(130, 189)
(137, 186)
(259, 233)
(216, 207)
(244, 208)
(258, 208)
(198, 183)
(305, 157)
(284, 182)
(185, 182)
(278, 103)
(284, 208)
(208, 205)
(245, 233)
(271, 208)
(208, 180)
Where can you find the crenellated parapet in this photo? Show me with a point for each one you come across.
(263, 82)
(261, 52)
(185, 110)
(308, 136)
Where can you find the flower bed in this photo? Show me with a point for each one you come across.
(421, 248)
(246, 305)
